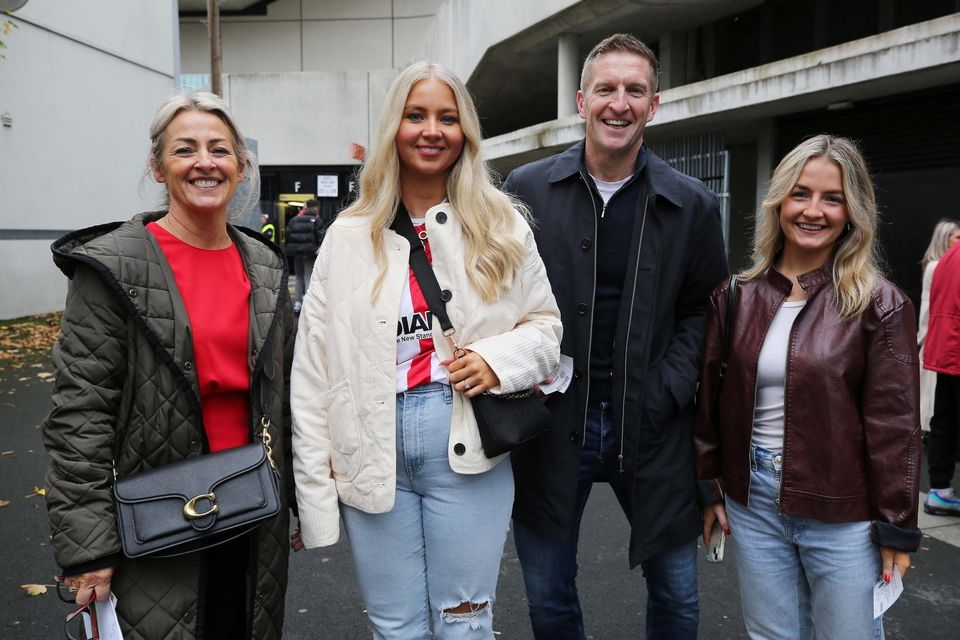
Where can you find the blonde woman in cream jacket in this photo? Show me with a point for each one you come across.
(385, 439)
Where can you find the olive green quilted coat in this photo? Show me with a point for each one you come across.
(126, 391)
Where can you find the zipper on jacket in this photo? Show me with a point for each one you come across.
(593, 302)
(626, 341)
(756, 367)
(786, 380)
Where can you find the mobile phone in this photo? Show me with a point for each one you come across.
(718, 540)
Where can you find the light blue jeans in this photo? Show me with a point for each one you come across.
(440, 546)
(801, 578)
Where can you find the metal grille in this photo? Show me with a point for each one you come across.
(702, 157)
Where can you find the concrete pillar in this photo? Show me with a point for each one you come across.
(673, 60)
(568, 75)
(766, 162)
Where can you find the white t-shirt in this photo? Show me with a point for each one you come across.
(771, 374)
(607, 189)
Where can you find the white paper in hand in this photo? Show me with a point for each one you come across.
(561, 377)
(107, 623)
(886, 593)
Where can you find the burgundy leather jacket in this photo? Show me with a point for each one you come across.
(851, 442)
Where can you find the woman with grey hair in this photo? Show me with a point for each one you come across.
(176, 340)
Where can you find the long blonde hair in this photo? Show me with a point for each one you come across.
(855, 269)
(939, 241)
(492, 255)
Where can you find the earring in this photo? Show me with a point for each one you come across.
(848, 227)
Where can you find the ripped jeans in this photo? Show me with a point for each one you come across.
(440, 546)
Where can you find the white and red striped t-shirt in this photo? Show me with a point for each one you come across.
(417, 360)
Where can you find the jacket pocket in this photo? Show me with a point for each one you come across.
(344, 422)
(660, 407)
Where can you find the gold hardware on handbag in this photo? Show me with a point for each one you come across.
(190, 509)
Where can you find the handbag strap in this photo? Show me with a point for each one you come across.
(426, 278)
(267, 371)
(732, 290)
(725, 344)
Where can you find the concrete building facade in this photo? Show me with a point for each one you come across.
(742, 81)
(306, 79)
(78, 87)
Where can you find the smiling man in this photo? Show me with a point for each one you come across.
(632, 248)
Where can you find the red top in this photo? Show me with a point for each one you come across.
(941, 347)
(215, 290)
(417, 359)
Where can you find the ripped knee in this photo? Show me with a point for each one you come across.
(466, 607)
(468, 612)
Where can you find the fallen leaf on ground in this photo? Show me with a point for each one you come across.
(44, 375)
(36, 589)
(5, 453)
(4, 503)
(37, 491)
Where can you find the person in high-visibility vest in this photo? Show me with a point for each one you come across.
(268, 229)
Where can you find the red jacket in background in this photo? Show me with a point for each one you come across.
(941, 349)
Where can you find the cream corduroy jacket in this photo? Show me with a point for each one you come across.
(343, 388)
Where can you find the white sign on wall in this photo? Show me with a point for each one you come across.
(327, 186)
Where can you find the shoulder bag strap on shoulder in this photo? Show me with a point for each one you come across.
(422, 270)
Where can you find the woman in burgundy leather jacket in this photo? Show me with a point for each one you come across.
(808, 451)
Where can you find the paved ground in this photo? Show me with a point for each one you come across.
(324, 602)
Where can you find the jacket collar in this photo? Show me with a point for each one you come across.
(661, 179)
(809, 281)
(128, 257)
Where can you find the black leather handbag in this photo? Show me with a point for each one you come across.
(505, 421)
(199, 502)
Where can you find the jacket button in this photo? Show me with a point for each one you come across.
(585, 244)
(253, 352)
(582, 309)
(446, 295)
(194, 446)
(577, 374)
(441, 217)
(574, 436)
(132, 293)
(188, 365)
(459, 449)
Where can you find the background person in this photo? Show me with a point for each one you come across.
(941, 354)
(945, 234)
(633, 249)
(383, 433)
(813, 442)
(164, 339)
(303, 237)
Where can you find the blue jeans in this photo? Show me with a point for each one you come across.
(550, 564)
(801, 578)
(440, 546)
(303, 270)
